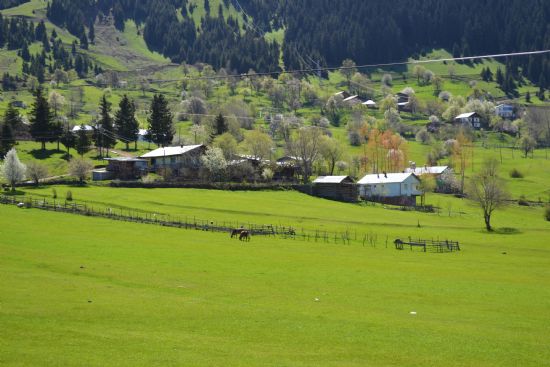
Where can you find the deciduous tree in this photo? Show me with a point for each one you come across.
(488, 190)
(12, 169)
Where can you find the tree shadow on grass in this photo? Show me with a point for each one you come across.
(44, 154)
(507, 230)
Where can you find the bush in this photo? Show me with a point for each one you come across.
(69, 196)
(54, 193)
(423, 137)
(547, 213)
(515, 173)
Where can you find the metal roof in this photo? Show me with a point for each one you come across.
(433, 170)
(380, 178)
(86, 128)
(125, 159)
(465, 115)
(370, 102)
(350, 98)
(170, 151)
(331, 179)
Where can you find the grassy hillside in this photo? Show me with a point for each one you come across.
(106, 293)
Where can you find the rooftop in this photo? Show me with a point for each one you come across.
(171, 151)
(465, 115)
(332, 179)
(381, 178)
(433, 170)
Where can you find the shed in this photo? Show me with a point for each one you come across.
(126, 168)
(340, 188)
(391, 188)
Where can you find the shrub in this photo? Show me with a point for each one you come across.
(54, 193)
(547, 213)
(69, 196)
(515, 173)
(423, 137)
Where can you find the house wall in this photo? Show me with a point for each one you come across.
(409, 187)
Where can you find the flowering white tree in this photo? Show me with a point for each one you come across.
(12, 169)
(215, 164)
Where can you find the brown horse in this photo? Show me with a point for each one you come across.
(244, 236)
(236, 232)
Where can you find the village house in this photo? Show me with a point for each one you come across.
(470, 118)
(427, 170)
(340, 188)
(390, 188)
(183, 161)
(505, 111)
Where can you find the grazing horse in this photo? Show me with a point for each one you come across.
(244, 236)
(236, 232)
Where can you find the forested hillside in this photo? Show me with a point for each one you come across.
(325, 32)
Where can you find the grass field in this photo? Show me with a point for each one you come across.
(94, 292)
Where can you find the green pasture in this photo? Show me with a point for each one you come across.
(289, 208)
(85, 291)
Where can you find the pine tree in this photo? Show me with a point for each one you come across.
(41, 118)
(220, 125)
(7, 138)
(91, 33)
(68, 139)
(126, 125)
(82, 144)
(500, 77)
(105, 137)
(161, 130)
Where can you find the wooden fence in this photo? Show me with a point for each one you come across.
(347, 237)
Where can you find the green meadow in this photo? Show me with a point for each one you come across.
(82, 291)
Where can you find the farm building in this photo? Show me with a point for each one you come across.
(183, 161)
(340, 188)
(471, 118)
(287, 168)
(391, 188)
(121, 168)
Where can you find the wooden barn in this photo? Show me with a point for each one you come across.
(341, 188)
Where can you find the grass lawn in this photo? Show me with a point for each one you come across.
(95, 292)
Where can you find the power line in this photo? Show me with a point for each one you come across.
(365, 66)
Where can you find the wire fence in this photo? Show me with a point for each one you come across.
(347, 237)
